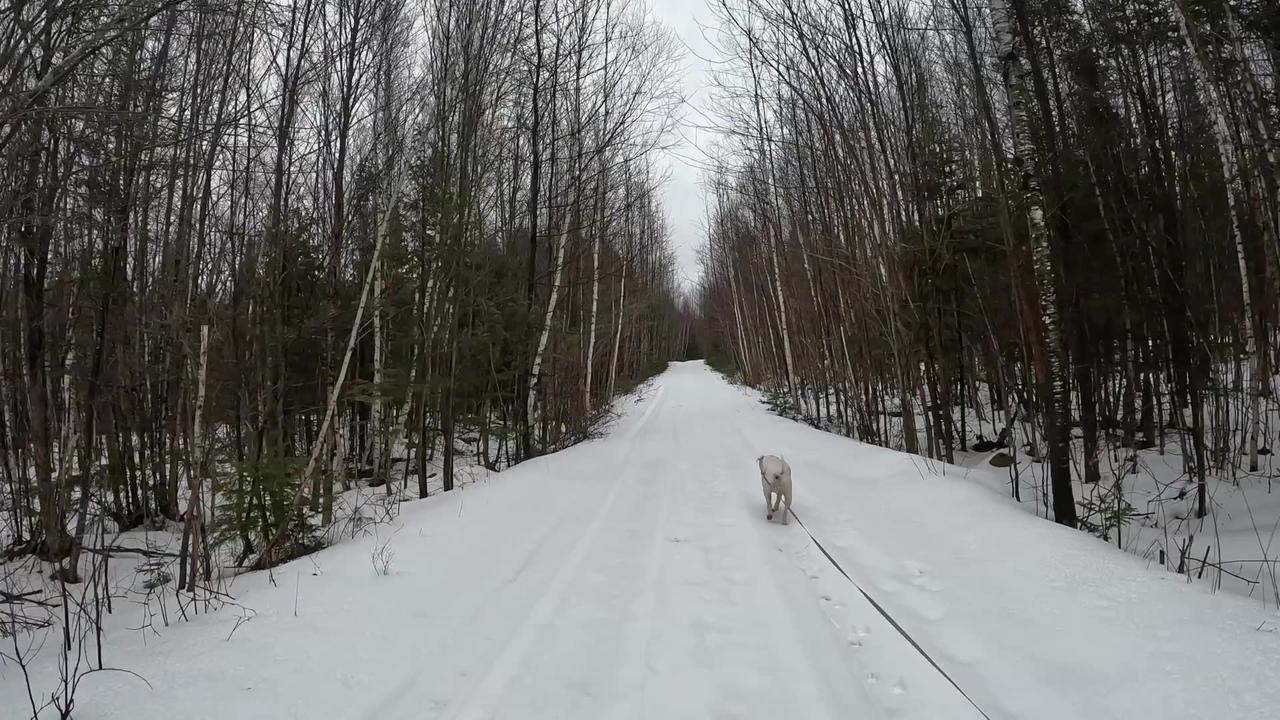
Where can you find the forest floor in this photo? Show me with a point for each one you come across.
(636, 576)
(1235, 547)
(1145, 501)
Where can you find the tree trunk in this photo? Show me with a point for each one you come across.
(1053, 362)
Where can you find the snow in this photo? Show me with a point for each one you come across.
(1241, 526)
(635, 576)
(1235, 547)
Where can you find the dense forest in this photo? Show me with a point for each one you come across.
(938, 220)
(270, 269)
(253, 253)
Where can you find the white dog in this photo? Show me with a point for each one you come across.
(775, 476)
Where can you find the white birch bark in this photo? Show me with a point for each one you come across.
(545, 333)
(595, 285)
(1226, 153)
(617, 337)
(1014, 70)
(402, 416)
(195, 478)
(265, 558)
(737, 316)
(782, 316)
(1256, 97)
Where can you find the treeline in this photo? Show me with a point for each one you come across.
(251, 252)
(1064, 212)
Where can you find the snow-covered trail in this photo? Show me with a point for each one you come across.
(653, 587)
(636, 577)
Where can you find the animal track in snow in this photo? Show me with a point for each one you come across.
(900, 687)
(918, 575)
(856, 634)
(872, 678)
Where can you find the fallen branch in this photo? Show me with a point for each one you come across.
(1219, 568)
(26, 597)
(141, 552)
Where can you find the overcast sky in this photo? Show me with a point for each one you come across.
(683, 193)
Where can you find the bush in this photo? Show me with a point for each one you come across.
(1106, 511)
(260, 496)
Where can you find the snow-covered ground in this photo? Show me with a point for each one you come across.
(1145, 501)
(1235, 547)
(636, 577)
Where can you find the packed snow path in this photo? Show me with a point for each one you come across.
(636, 577)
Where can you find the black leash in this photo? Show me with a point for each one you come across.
(884, 614)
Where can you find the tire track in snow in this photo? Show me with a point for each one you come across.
(484, 699)
(638, 631)
(506, 580)
(523, 575)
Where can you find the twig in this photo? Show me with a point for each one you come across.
(19, 658)
(116, 550)
(1219, 568)
(26, 597)
(239, 621)
(118, 670)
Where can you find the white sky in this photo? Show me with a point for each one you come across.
(684, 198)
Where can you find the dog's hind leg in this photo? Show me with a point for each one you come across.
(787, 510)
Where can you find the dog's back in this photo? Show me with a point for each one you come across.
(775, 476)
